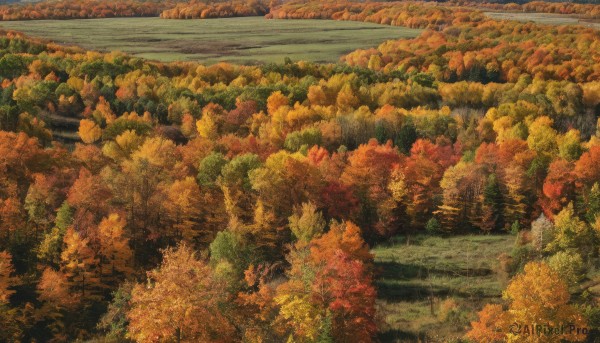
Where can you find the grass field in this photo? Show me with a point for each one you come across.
(433, 287)
(237, 40)
(542, 18)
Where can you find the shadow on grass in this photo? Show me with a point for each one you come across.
(406, 292)
(399, 271)
(402, 271)
(399, 336)
(396, 281)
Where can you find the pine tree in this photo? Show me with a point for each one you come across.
(492, 201)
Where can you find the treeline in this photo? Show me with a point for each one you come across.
(83, 9)
(203, 10)
(432, 15)
(590, 10)
(409, 14)
(464, 44)
(491, 51)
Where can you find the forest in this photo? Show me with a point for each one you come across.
(230, 203)
(324, 9)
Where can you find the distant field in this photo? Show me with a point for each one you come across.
(236, 40)
(460, 268)
(542, 18)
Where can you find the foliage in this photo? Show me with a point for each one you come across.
(476, 125)
(536, 296)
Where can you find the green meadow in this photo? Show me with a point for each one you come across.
(433, 287)
(236, 40)
(543, 18)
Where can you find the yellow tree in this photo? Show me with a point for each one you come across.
(79, 265)
(346, 100)
(183, 208)
(123, 146)
(89, 131)
(181, 301)
(537, 298)
(116, 257)
(275, 101)
(207, 127)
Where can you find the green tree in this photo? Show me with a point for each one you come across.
(210, 168)
(572, 234)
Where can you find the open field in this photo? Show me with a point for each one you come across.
(237, 40)
(435, 270)
(542, 18)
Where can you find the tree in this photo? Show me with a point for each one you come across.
(114, 322)
(275, 101)
(558, 187)
(538, 296)
(542, 232)
(231, 254)
(181, 301)
(542, 137)
(53, 288)
(407, 136)
(329, 292)
(207, 127)
(587, 168)
(57, 302)
(568, 265)
(235, 184)
(463, 191)
(79, 264)
(346, 286)
(491, 325)
(593, 203)
(116, 257)
(183, 208)
(344, 236)
(569, 146)
(346, 99)
(89, 131)
(7, 280)
(138, 184)
(89, 196)
(307, 222)
(285, 181)
(423, 172)
(123, 146)
(515, 206)
(493, 202)
(50, 248)
(571, 233)
(368, 172)
(41, 199)
(210, 167)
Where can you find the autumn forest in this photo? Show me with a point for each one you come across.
(143, 201)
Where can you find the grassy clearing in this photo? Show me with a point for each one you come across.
(542, 18)
(236, 40)
(438, 271)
